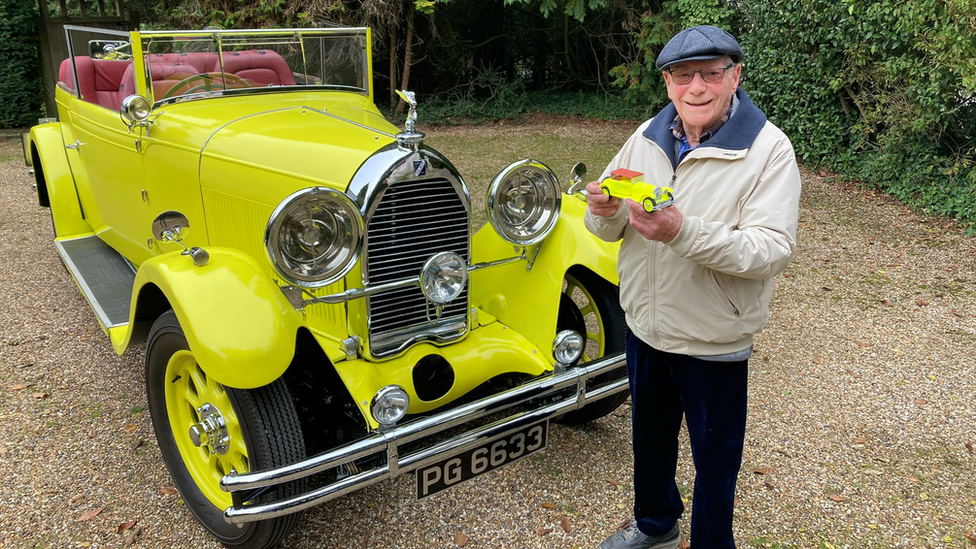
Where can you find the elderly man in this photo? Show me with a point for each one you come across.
(695, 281)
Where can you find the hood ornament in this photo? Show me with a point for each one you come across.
(410, 138)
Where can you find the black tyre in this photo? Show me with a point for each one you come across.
(591, 306)
(262, 431)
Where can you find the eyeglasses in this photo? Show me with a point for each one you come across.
(712, 76)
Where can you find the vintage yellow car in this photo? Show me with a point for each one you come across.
(624, 183)
(317, 311)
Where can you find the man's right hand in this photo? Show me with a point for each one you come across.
(599, 203)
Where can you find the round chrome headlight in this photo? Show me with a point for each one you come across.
(314, 237)
(443, 276)
(523, 202)
(390, 404)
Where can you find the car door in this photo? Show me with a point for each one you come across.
(108, 166)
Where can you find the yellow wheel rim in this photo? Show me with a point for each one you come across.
(595, 333)
(188, 389)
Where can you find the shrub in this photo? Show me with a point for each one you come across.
(20, 85)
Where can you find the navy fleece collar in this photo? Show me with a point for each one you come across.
(736, 134)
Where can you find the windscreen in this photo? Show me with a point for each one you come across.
(218, 63)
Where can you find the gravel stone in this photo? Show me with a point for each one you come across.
(861, 429)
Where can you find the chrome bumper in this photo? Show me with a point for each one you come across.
(389, 440)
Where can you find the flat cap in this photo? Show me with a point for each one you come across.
(697, 44)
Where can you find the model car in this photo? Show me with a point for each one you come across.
(317, 311)
(624, 183)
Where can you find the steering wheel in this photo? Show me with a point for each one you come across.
(206, 82)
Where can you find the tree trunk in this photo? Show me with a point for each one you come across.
(407, 56)
(393, 67)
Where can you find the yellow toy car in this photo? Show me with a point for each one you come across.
(624, 183)
(317, 312)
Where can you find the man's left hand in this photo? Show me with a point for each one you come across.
(662, 225)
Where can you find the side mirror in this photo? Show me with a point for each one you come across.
(135, 111)
(109, 49)
(576, 175)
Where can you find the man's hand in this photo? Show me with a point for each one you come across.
(599, 203)
(662, 225)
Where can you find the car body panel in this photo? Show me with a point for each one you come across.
(530, 307)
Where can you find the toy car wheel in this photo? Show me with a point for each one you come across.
(649, 205)
(591, 306)
(606, 191)
(242, 430)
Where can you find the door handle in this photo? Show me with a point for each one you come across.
(74, 145)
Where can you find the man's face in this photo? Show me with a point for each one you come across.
(702, 104)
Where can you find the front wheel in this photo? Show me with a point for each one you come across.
(591, 306)
(206, 430)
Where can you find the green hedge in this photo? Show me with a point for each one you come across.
(21, 95)
(883, 92)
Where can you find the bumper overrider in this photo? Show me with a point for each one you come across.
(563, 391)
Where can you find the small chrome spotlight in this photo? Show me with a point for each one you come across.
(390, 405)
(443, 277)
(567, 347)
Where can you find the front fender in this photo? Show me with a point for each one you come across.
(529, 301)
(55, 183)
(239, 325)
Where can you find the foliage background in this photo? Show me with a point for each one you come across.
(883, 92)
(20, 97)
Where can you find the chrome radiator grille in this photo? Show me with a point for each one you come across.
(414, 220)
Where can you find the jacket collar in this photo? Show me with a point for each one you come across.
(736, 134)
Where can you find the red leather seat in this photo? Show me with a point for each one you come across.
(99, 80)
(265, 67)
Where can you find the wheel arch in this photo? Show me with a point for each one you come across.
(55, 181)
(239, 326)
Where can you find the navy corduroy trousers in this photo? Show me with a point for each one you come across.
(711, 396)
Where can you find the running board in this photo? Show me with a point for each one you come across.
(104, 277)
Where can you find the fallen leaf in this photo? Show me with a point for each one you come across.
(564, 524)
(39, 396)
(921, 302)
(624, 525)
(971, 537)
(167, 490)
(684, 544)
(543, 531)
(129, 427)
(127, 525)
(461, 539)
(548, 505)
(769, 485)
(864, 344)
(913, 478)
(921, 401)
(20, 386)
(838, 498)
(133, 535)
(969, 446)
(90, 514)
(76, 499)
(762, 471)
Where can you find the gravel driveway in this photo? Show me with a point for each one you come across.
(862, 422)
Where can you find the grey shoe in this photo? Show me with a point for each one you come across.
(632, 538)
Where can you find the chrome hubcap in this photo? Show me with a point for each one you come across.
(211, 431)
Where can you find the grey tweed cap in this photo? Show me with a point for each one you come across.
(697, 44)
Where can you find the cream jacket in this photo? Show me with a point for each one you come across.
(707, 292)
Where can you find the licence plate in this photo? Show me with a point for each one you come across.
(479, 460)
